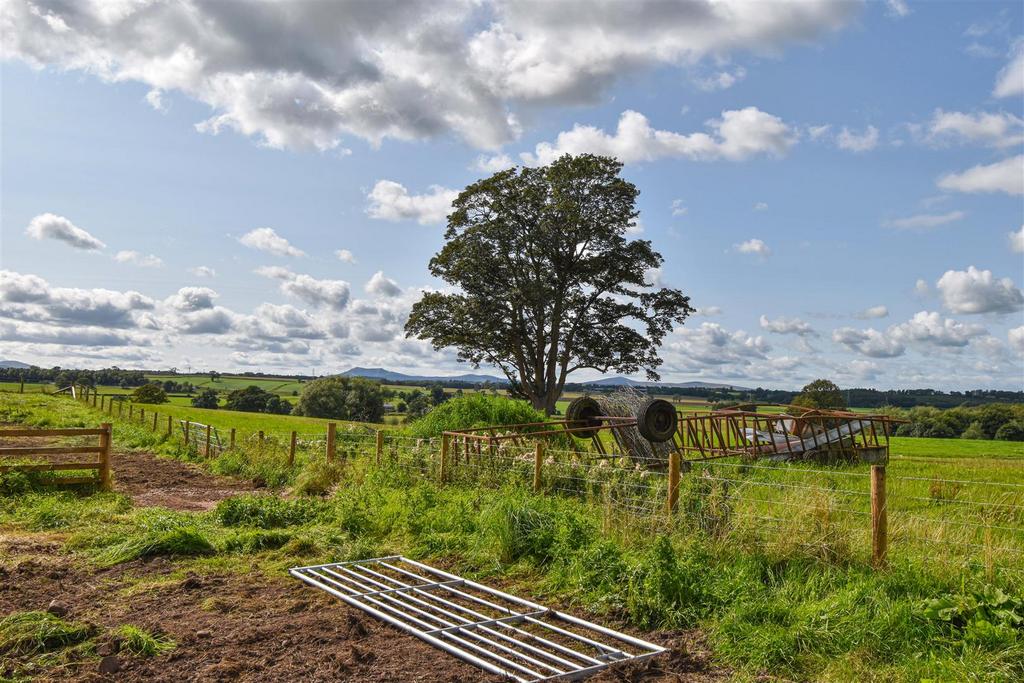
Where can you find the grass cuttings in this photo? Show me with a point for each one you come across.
(145, 533)
(28, 633)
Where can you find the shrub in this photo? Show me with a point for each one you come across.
(206, 399)
(150, 393)
(1011, 431)
(342, 398)
(474, 410)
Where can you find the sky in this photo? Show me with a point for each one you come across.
(838, 186)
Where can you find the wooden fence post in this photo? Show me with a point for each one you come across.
(142, 416)
(879, 517)
(131, 410)
(187, 423)
(94, 393)
(120, 408)
(21, 389)
(331, 427)
(206, 451)
(103, 400)
(232, 437)
(104, 469)
(154, 420)
(291, 450)
(673, 483)
(442, 471)
(170, 426)
(380, 446)
(538, 462)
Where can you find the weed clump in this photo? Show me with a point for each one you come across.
(140, 642)
(317, 478)
(268, 512)
(151, 532)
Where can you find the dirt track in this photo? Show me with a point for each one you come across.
(233, 627)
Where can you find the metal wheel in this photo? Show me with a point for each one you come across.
(583, 412)
(656, 419)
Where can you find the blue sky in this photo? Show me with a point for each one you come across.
(838, 186)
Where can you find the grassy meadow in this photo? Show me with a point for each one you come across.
(771, 561)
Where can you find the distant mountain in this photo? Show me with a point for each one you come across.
(392, 376)
(627, 382)
(14, 364)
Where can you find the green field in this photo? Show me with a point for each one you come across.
(771, 562)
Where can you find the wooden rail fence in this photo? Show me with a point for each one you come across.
(101, 463)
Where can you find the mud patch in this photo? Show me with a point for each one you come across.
(152, 481)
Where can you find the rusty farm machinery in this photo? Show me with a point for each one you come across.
(647, 430)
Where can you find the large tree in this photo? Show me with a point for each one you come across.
(547, 281)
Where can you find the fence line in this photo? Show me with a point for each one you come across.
(829, 513)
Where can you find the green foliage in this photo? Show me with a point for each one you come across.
(267, 512)
(531, 300)
(152, 532)
(1002, 422)
(342, 398)
(317, 478)
(473, 410)
(149, 393)
(253, 399)
(823, 394)
(1011, 431)
(140, 642)
(208, 398)
(36, 632)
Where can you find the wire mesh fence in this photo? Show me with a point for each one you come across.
(930, 508)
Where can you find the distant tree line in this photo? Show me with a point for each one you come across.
(998, 421)
(61, 377)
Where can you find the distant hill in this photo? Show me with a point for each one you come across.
(627, 382)
(16, 364)
(392, 376)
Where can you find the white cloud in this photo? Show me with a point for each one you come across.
(1017, 241)
(305, 75)
(332, 294)
(924, 221)
(931, 328)
(710, 344)
(897, 8)
(761, 206)
(873, 312)
(707, 311)
(31, 298)
(857, 142)
(380, 285)
(1010, 81)
(493, 163)
(783, 325)
(1002, 176)
(54, 227)
(137, 259)
(994, 130)
(721, 80)
(678, 208)
(154, 98)
(266, 240)
(817, 132)
(1016, 339)
(203, 271)
(921, 288)
(753, 246)
(736, 136)
(345, 256)
(869, 342)
(977, 291)
(192, 299)
(390, 201)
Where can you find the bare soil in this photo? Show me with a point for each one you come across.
(235, 627)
